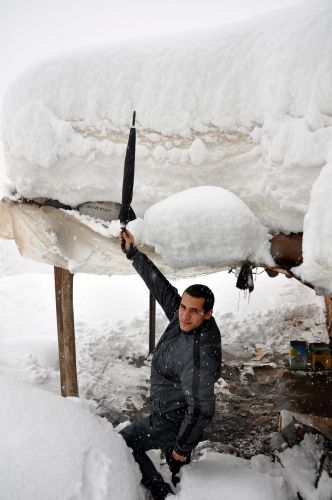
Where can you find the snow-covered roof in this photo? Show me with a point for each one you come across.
(246, 107)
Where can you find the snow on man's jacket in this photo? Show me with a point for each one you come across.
(185, 366)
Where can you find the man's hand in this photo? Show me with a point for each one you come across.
(127, 242)
(126, 239)
(179, 458)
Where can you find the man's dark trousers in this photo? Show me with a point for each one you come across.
(148, 433)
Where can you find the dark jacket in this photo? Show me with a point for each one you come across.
(185, 366)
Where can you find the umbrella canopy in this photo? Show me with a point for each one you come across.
(126, 212)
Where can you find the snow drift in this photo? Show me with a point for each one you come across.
(54, 448)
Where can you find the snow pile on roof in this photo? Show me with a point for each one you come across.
(317, 238)
(54, 448)
(206, 226)
(245, 107)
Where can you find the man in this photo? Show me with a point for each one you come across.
(185, 365)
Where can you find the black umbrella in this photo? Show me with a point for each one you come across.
(126, 212)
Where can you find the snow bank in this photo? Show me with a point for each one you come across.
(55, 448)
(215, 226)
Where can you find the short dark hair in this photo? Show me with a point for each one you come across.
(202, 292)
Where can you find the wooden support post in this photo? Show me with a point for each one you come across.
(66, 331)
(152, 323)
(328, 302)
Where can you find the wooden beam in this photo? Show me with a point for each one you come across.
(286, 250)
(152, 323)
(66, 331)
(328, 303)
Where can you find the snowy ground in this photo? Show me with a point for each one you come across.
(111, 316)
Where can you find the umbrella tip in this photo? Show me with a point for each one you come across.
(134, 119)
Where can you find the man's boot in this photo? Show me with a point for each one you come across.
(160, 491)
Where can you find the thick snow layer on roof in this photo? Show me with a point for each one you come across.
(246, 107)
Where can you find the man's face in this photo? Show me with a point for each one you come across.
(192, 313)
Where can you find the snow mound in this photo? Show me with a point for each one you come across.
(217, 476)
(230, 478)
(206, 225)
(55, 448)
